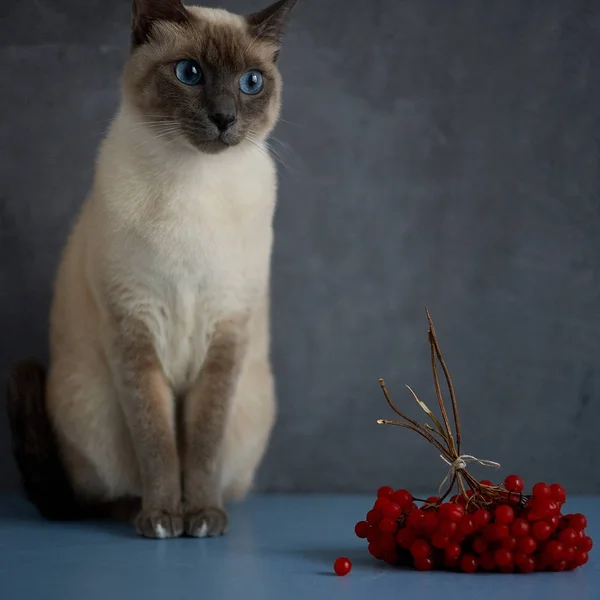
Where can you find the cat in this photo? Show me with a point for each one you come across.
(159, 397)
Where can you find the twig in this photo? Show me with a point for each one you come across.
(449, 444)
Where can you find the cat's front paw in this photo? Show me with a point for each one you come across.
(206, 522)
(159, 524)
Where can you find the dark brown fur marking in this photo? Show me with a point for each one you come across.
(224, 51)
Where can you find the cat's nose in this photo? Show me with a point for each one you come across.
(223, 120)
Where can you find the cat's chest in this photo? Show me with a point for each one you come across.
(200, 267)
(195, 245)
(183, 301)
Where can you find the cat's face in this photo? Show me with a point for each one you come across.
(205, 76)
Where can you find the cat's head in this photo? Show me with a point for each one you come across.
(205, 76)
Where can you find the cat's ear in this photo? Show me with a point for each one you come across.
(145, 12)
(270, 23)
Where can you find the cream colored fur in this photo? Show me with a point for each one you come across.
(182, 240)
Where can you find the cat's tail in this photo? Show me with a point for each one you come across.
(34, 445)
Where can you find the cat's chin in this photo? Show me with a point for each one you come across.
(215, 146)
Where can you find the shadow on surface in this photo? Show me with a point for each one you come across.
(15, 510)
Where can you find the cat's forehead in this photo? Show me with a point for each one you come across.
(221, 39)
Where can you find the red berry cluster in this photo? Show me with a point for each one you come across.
(512, 533)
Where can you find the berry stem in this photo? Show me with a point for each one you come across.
(435, 346)
(442, 437)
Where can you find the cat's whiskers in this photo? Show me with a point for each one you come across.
(268, 151)
(282, 120)
(161, 134)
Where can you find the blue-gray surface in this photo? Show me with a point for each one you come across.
(441, 153)
(279, 547)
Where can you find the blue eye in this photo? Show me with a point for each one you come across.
(188, 72)
(251, 82)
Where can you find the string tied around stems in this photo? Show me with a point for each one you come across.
(460, 464)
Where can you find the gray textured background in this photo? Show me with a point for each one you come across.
(440, 153)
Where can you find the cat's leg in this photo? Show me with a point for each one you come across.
(205, 415)
(148, 404)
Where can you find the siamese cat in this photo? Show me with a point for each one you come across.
(159, 399)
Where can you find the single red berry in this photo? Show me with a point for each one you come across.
(447, 528)
(468, 563)
(541, 531)
(578, 522)
(391, 557)
(554, 551)
(541, 490)
(486, 482)
(416, 519)
(392, 510)
(375, 551)
(569, 553)
(451, 512)
(504, 515)
(568, 536)
(542, 508)
(385, 492)
(373, 517)
(433, 500)
(503, 557)
(387, 525)
(509, 543)
(514, 483)
(559, 566)
(420, 549)
(481, 518)
(487, 561)
(405, 538)
(380, 504)
(430, 522)
(362, 529)
(581, 558)
(466, 526)
(342, 566)
(480, 545)
(525, 563)
(586, 544)
(403, 498)
(424, 564)
(439, 540)
(558, 494)
(373, 534)
(452, 552)
(527, 545)
(520, 528)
